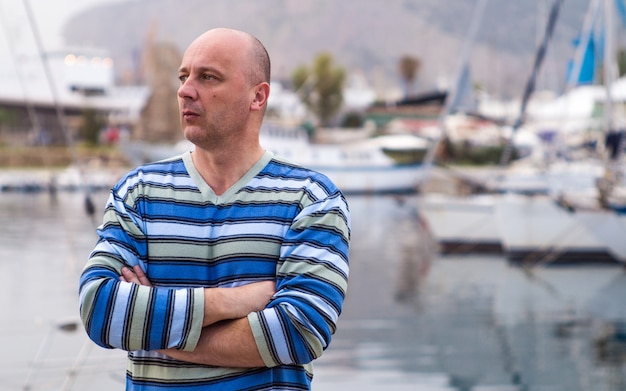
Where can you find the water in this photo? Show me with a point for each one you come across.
(413, 320)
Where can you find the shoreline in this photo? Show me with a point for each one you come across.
(91, 177)
(96, 173)
(60, 168)
(40, 157)
(38, 169)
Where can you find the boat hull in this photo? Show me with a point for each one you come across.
(609, 227)
(462, 224)
(395, 179)
(536, 230)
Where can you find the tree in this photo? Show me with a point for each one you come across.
(408, 67)
(93, 122)
(321, 87)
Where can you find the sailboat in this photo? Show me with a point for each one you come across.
(468, 223)
(573, 222)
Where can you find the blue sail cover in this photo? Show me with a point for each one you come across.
(592, 57)
(621, 10)
(587, 73)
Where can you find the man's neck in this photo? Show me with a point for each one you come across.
(222, 170)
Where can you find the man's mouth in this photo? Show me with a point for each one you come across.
(189, 114)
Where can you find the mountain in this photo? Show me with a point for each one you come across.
(368, 36)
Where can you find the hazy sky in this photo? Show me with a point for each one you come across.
(21, 70)
(50, 16)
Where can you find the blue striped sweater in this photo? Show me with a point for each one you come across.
(279, 221)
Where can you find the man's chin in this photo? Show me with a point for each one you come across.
(194, 134)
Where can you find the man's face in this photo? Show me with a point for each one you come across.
(215, 95)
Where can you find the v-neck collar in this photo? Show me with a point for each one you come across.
(207, 191)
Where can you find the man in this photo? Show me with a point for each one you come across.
(224, 268)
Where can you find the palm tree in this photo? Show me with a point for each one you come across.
(408, 67)
(321, 87)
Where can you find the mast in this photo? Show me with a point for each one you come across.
(89, 206)
(614, 138)
(30, 107)
(462, 73)
(50, 79)
(609, 61)
(532, 80)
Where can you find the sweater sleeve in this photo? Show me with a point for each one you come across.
(128, 316)
(312, 279)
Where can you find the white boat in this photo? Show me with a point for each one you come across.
(608, 227)
(360, 166)
(518, 216)
(356, 167)
(538, 230)
(557, 177)
(462, 224)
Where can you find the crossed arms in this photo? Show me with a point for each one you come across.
(226, 339)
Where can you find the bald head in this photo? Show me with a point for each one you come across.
(257, 58)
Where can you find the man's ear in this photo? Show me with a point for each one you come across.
(261, 95)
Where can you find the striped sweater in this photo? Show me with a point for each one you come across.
(279, 221)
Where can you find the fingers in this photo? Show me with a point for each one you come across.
(143, 280)
(128, 276)
(135, 276)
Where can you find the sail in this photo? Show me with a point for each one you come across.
(464, 99)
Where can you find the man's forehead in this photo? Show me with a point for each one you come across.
(208, 50)
(207, 61)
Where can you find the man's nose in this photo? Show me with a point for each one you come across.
(187, 90)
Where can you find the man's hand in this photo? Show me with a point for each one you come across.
(136, 276)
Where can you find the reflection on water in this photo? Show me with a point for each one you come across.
(413, 320)
(468, 322)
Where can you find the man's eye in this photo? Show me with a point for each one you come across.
(208, 77)
(183, 78)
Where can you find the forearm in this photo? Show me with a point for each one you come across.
(222, 304)
(224, 344)
(131, 317)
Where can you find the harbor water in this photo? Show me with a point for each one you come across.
(413, 319)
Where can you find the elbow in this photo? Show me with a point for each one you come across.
(305, 354)
(94, 328)
(313, 349)
(94, 332)
(94, 311)
(282, 340)
(305, 347)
